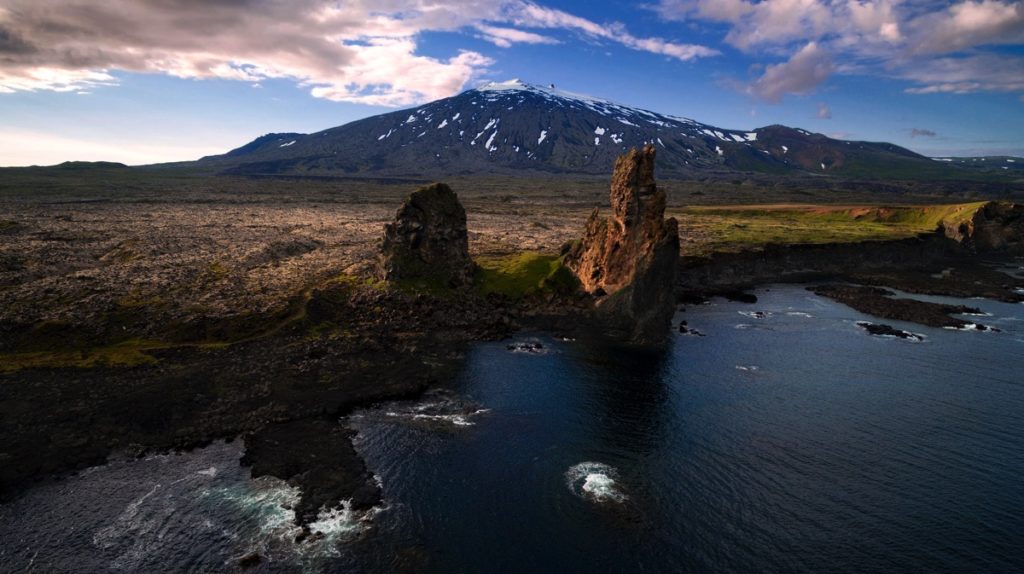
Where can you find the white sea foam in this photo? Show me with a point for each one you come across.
(336, 522)
(270, 503)
(972, 327)
(459, 420)
(594, 481)
(438, 407)
(799, 314)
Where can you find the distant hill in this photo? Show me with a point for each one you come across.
(513, 126)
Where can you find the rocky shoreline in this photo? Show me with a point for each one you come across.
(281, 379)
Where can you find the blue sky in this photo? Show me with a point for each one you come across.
(144, 81)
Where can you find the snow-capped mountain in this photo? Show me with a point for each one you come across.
(513, 126)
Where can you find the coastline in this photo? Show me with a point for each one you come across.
(267, 388)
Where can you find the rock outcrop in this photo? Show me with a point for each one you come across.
(428, 240)
(994, 226)
(629, 260)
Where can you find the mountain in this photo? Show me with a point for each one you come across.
(513, 126)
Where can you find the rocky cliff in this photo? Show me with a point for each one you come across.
(428, 240)
(628, 261)
(995, 226)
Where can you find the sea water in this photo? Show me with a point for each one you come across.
(786, 439)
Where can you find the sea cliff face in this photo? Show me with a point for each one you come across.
(996, 226)
(628, 261)
(798, 262)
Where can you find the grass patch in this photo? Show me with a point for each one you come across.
(217, 269)
(128, 353)
(136, 299)
(742, 228)
(352, 281)
(523, 274)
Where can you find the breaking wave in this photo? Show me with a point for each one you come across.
(594, 481)
(436, 407)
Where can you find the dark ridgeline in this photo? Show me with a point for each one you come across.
(512, 127)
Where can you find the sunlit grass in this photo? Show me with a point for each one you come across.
(737, 228)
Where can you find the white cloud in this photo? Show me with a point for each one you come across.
(824, 112)
(964, 74)
(505, 37)
(535, 16)
(362, 51)
(807, 68)
(894, 38)
(969, 24)
(875, 19)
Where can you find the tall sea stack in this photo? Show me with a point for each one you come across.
(628, 261)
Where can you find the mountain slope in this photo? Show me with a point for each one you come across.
(512, 126)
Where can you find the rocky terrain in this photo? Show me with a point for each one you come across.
(143, 311)
(998, 226)
(628, 261)
(147, 319)
(881, 302)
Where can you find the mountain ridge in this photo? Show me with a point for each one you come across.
(513, 126)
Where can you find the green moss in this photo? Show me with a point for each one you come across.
(217, 269)
(523, 274)
(135, 299)
(128, 353)
(353, 281)
(430, 285)
(709, 229)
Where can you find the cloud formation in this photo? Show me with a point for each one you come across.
(355, 51)
(533, 15)
(919, 132)
(824, 112)
(505, 37)
(893, 38)
(807, 68)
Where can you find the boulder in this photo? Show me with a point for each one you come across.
(628, 261)
(428, 240)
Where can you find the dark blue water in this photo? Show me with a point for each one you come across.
(795, 442)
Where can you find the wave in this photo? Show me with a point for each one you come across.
(594, 481)
(436, 407)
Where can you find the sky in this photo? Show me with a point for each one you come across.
(146, 81)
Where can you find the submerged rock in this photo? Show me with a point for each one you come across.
(428, 240)
(888, 331)
(628, 261)
(249, 560)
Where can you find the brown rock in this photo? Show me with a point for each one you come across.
(428, 240)
(994, 227)
(629, 260)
